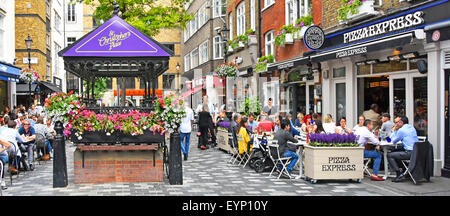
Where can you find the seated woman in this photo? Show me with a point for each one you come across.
(342, 128)
(300, 120)
(329, 125)
(244, 141)
(317, 127)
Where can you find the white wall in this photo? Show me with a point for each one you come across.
(8, 42)
(57, 37)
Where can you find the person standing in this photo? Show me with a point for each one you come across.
(269, 111)
(186, 129)
(407, 134)
(204, 126)
(373, 115)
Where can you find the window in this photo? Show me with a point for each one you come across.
(71, 16)
(268, 3)
(252, 15)
(340, 100)
(71, 40)
(217, 48)
(203, 16)
(291, 11)
(194, 58)
(240, 19)
(187, 62)
(194, 25)
(49, 71)
(230, 20)
(48, 40)
(186, 33)
(170, 46)
(204, 54)
(168, 80)
(220, 8)
(269, 43)
(338, 72)
(57, 21)
(47, 9)
(304, 7)
(57, 49)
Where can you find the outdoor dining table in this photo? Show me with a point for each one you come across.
(300, 144)
(385, 145)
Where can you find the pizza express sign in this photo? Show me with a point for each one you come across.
(392, 25)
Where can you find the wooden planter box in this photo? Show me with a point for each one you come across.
(333, 163)
(89, 137)
(222, 140)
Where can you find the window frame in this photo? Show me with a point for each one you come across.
(202, 51)
(271, 42)
(220, 45)
(71, 12)
(240, 18)
(193, 58)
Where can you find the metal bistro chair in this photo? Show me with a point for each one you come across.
(39, 143)
(245, 155)
(405, 163)
(14, 160)
(366, 166)
(284, 161)
(233, 150)
(1, 174)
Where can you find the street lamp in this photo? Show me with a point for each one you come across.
(223, 34)
(29, 44)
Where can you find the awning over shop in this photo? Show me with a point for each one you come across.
(288, 64)
(23, 88)
(9, 72)
(50, 86)
(362, 48)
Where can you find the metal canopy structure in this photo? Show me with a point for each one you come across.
(117, 49)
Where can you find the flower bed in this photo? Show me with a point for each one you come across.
(333, 140)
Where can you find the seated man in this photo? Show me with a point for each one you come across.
(364, 136)
(407, 134)
(11, 135)
(234, 128)
(265, 125)
(283, 136)
(30, 135)
(4, 145)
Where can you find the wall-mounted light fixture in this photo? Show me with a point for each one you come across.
(394, 58)
(410, 55)
(372, 61)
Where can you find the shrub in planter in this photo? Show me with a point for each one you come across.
(280, 39)
(262, 63)
(349, 7)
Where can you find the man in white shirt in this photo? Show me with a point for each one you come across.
(365, 136)
(186, 129)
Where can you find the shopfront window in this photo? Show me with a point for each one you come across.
(338, 72)
(340, 100)
(311, 99)
(390, 66)
(420, 105)
(399, 97)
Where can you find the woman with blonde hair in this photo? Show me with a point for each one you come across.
(328, 125)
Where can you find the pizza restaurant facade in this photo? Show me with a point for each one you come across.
(399, 61)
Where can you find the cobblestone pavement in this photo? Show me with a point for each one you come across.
(205, 173)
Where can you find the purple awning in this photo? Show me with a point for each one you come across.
(116, 38)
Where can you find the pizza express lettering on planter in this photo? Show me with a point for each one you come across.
(398, 23)
(113, 40)
(338, 164)
(350, 52)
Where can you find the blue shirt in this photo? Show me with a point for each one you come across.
(31, 132)
(407, 134)
(253, 124)
(293, 130)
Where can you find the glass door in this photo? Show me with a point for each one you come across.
(446, 169)
(340, 101)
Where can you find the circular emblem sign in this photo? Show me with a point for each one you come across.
(314, 37)
(436, 35)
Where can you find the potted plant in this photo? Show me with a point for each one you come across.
(285, 35)
(29, 75)
(301, 25)
(251, 37)
(333, 156)
(227, 70)
(261, 66)
(355, 9)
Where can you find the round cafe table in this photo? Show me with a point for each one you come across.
(385, 145)
(300, 144)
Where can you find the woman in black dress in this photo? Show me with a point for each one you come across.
(204, 119)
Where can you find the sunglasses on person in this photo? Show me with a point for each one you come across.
(26, 124)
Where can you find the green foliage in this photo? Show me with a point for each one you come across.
(262, 63)
(100, 86)
(148, 16)
(351, 6)
(251, 106)
(240, 38)
(281, 35)
(303, 21)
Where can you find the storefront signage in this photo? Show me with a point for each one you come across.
(391, 25)
(351, 52)
(338, 164)
(116, 38)
(436, 35)
(314, 37)
(287, 65)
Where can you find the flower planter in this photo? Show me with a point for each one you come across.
(333, 163)
(90, 137)
(222, 139)
(289, 38)
(230, 49)
(252, 40)
(241, 44)
(365, 10)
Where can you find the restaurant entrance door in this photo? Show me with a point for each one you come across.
(446, 170)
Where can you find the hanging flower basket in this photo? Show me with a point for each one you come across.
(29, 75)
(227, 70)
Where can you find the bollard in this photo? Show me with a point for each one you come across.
(175, 164)
(59, 157)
